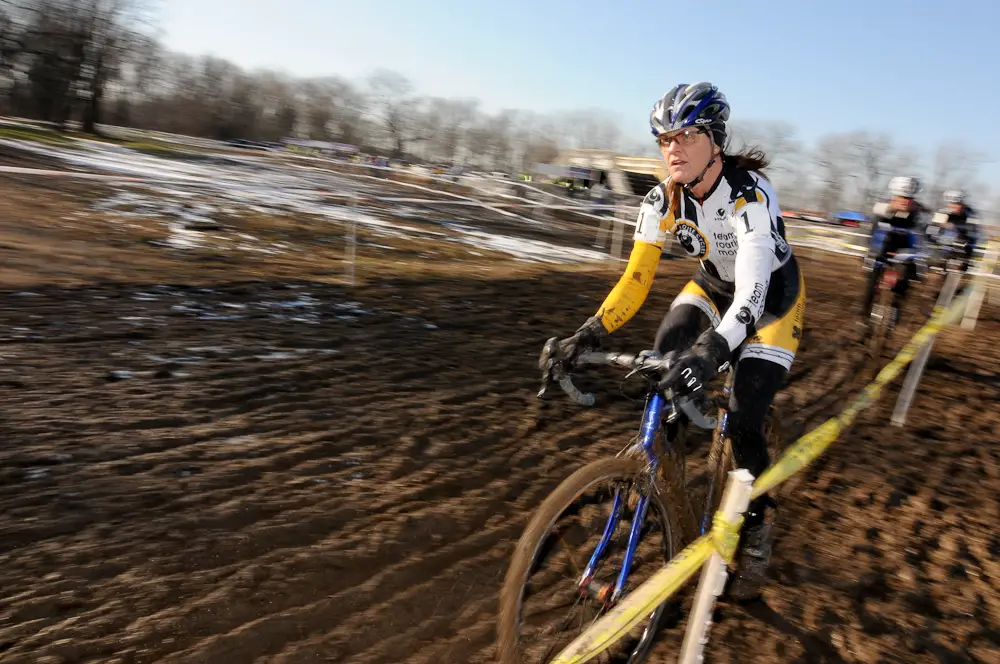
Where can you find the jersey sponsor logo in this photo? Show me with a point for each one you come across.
(691, 239)
(758, 294)
(744, 316)
(725, 244)
(654, 197)
(745, 193)
(780, 246)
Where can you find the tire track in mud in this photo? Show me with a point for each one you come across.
(461, 399)
(404, 497)
(361, 504)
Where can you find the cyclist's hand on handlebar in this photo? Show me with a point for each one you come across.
(558, 357)
(697, 366)
(587, 337)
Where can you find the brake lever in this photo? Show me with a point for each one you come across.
(547, 366)
(696, 417)
(582, 398)
(552, 371)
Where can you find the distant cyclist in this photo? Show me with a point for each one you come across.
(746, 302)
(897, 227)
(952, 225)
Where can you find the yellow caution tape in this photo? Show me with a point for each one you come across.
(723, 538)
(807, 448)
(638, 604)
(725, 535)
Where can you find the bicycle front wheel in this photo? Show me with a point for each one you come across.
(546, 602)
(880, 331)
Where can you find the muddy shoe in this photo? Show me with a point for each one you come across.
(752, 561)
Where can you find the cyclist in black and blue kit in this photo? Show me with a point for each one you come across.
(897, 227)
(951, 226)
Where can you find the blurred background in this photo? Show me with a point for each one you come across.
(276, 275)
(841, 96)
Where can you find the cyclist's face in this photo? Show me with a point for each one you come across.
(955, 208)
(687, 153)
(903, 203)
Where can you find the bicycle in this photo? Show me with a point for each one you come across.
(884, 313)
(653, 462)
(950, 256)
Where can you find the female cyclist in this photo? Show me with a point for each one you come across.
(745, 303)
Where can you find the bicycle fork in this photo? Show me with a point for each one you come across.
(609, 594)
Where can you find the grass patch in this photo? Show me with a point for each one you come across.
(35, 134)
(155, 149)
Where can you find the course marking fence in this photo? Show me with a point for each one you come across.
(618, 220)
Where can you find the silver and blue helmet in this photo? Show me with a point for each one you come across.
(691, 105)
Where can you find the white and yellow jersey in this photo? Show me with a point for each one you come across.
(736, 232)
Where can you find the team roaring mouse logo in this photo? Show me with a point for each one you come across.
(691, 239)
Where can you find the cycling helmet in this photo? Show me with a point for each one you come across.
(954, 196)
(691, 105)
(906, 187)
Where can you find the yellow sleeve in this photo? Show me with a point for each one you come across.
(628, 295)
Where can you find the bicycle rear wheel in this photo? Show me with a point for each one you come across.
(530, 603)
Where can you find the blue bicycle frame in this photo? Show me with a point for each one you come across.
(657, 409)
(880, 235)
(656, 405)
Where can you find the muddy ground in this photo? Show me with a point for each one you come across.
(216, 457)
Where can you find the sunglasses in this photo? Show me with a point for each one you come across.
(686, 137)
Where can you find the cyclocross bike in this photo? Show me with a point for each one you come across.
(575, 535)
(885, 314)
(948, 257)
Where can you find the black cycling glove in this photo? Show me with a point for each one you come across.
(698, 365)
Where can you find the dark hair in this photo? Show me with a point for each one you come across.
(749, 158)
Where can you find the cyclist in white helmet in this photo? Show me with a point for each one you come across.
(953, 222)
(745, 304)
(897, 226)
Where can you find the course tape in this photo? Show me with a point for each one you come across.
(811, 445)
(638, 604)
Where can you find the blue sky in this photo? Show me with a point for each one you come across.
(925, 72)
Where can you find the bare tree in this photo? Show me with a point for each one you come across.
(316, 100)
(392, 104)
(477, 143)
(69, 52)
(111, 33)
(955, 167)
(63, 60)
(592, 128)
(833, 159)
(445, 124)
(350, 106)
(138, 78)
(873, 154)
